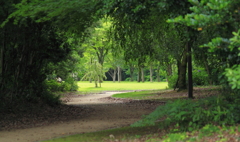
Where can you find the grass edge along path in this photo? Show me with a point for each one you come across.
(155, 134)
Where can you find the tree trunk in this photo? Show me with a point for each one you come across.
(139, 74)
(190, 83)
(158, 73)
(114, 74)
(119, 74)
(96, 83)
(99, 82)
(182, 70)
(1, 64)
(151, 73)
(210, 80)
(142, 72)
(169, 69)
(2, 60)
(131, 73)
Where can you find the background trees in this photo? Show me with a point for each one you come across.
(41, 44)
(224, 17)
(29, 48)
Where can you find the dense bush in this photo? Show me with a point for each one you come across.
(53, 85)
(193, 114)
(67, 85)
(70, 85)
(172, 81)
(200, 77)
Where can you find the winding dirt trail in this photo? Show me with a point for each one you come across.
(107, 113)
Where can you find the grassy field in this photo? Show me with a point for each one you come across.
(85, 86)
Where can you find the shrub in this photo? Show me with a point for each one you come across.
(172, 81)
(193, 114)
(200, 77)
(70, 84)
(53, 85)
(51, 99)
(67, 85)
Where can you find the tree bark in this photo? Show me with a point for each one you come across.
(142, 73)
(119, 74)
(158, 73)
(210, 80)
(131, 72)
(139, 74)
(112, 73)
(169, 69)
(182, 70)
(1, 56)
(151, 73)
(190, 82)
(96, 83)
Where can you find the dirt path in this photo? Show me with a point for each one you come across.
(106, 113)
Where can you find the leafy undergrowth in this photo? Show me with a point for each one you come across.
(209, 133)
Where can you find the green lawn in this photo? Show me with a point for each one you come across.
(85, 86)
(136, 95)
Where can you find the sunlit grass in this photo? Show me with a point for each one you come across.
(136, 95)
(85, 86)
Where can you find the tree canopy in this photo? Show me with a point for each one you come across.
(40, 36)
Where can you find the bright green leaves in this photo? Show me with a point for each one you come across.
(218, 4)
(235, 41)
(72, 16)
(215, 43)
(233, 75)
(95, 72)
(221, 15)
(206, 13)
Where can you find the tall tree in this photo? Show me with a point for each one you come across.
(28, 48)
(223, 15)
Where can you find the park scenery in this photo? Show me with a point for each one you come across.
(119, 70)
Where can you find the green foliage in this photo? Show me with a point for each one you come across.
(208, 130)
(200, 77)
(53, 85)
(51, 99)
(223, 16)
(67, 85)
(72, 16)
(172, 81)
(193, 114)
(173, 137)
(70, 84)
(95, 72)
(233, 75)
